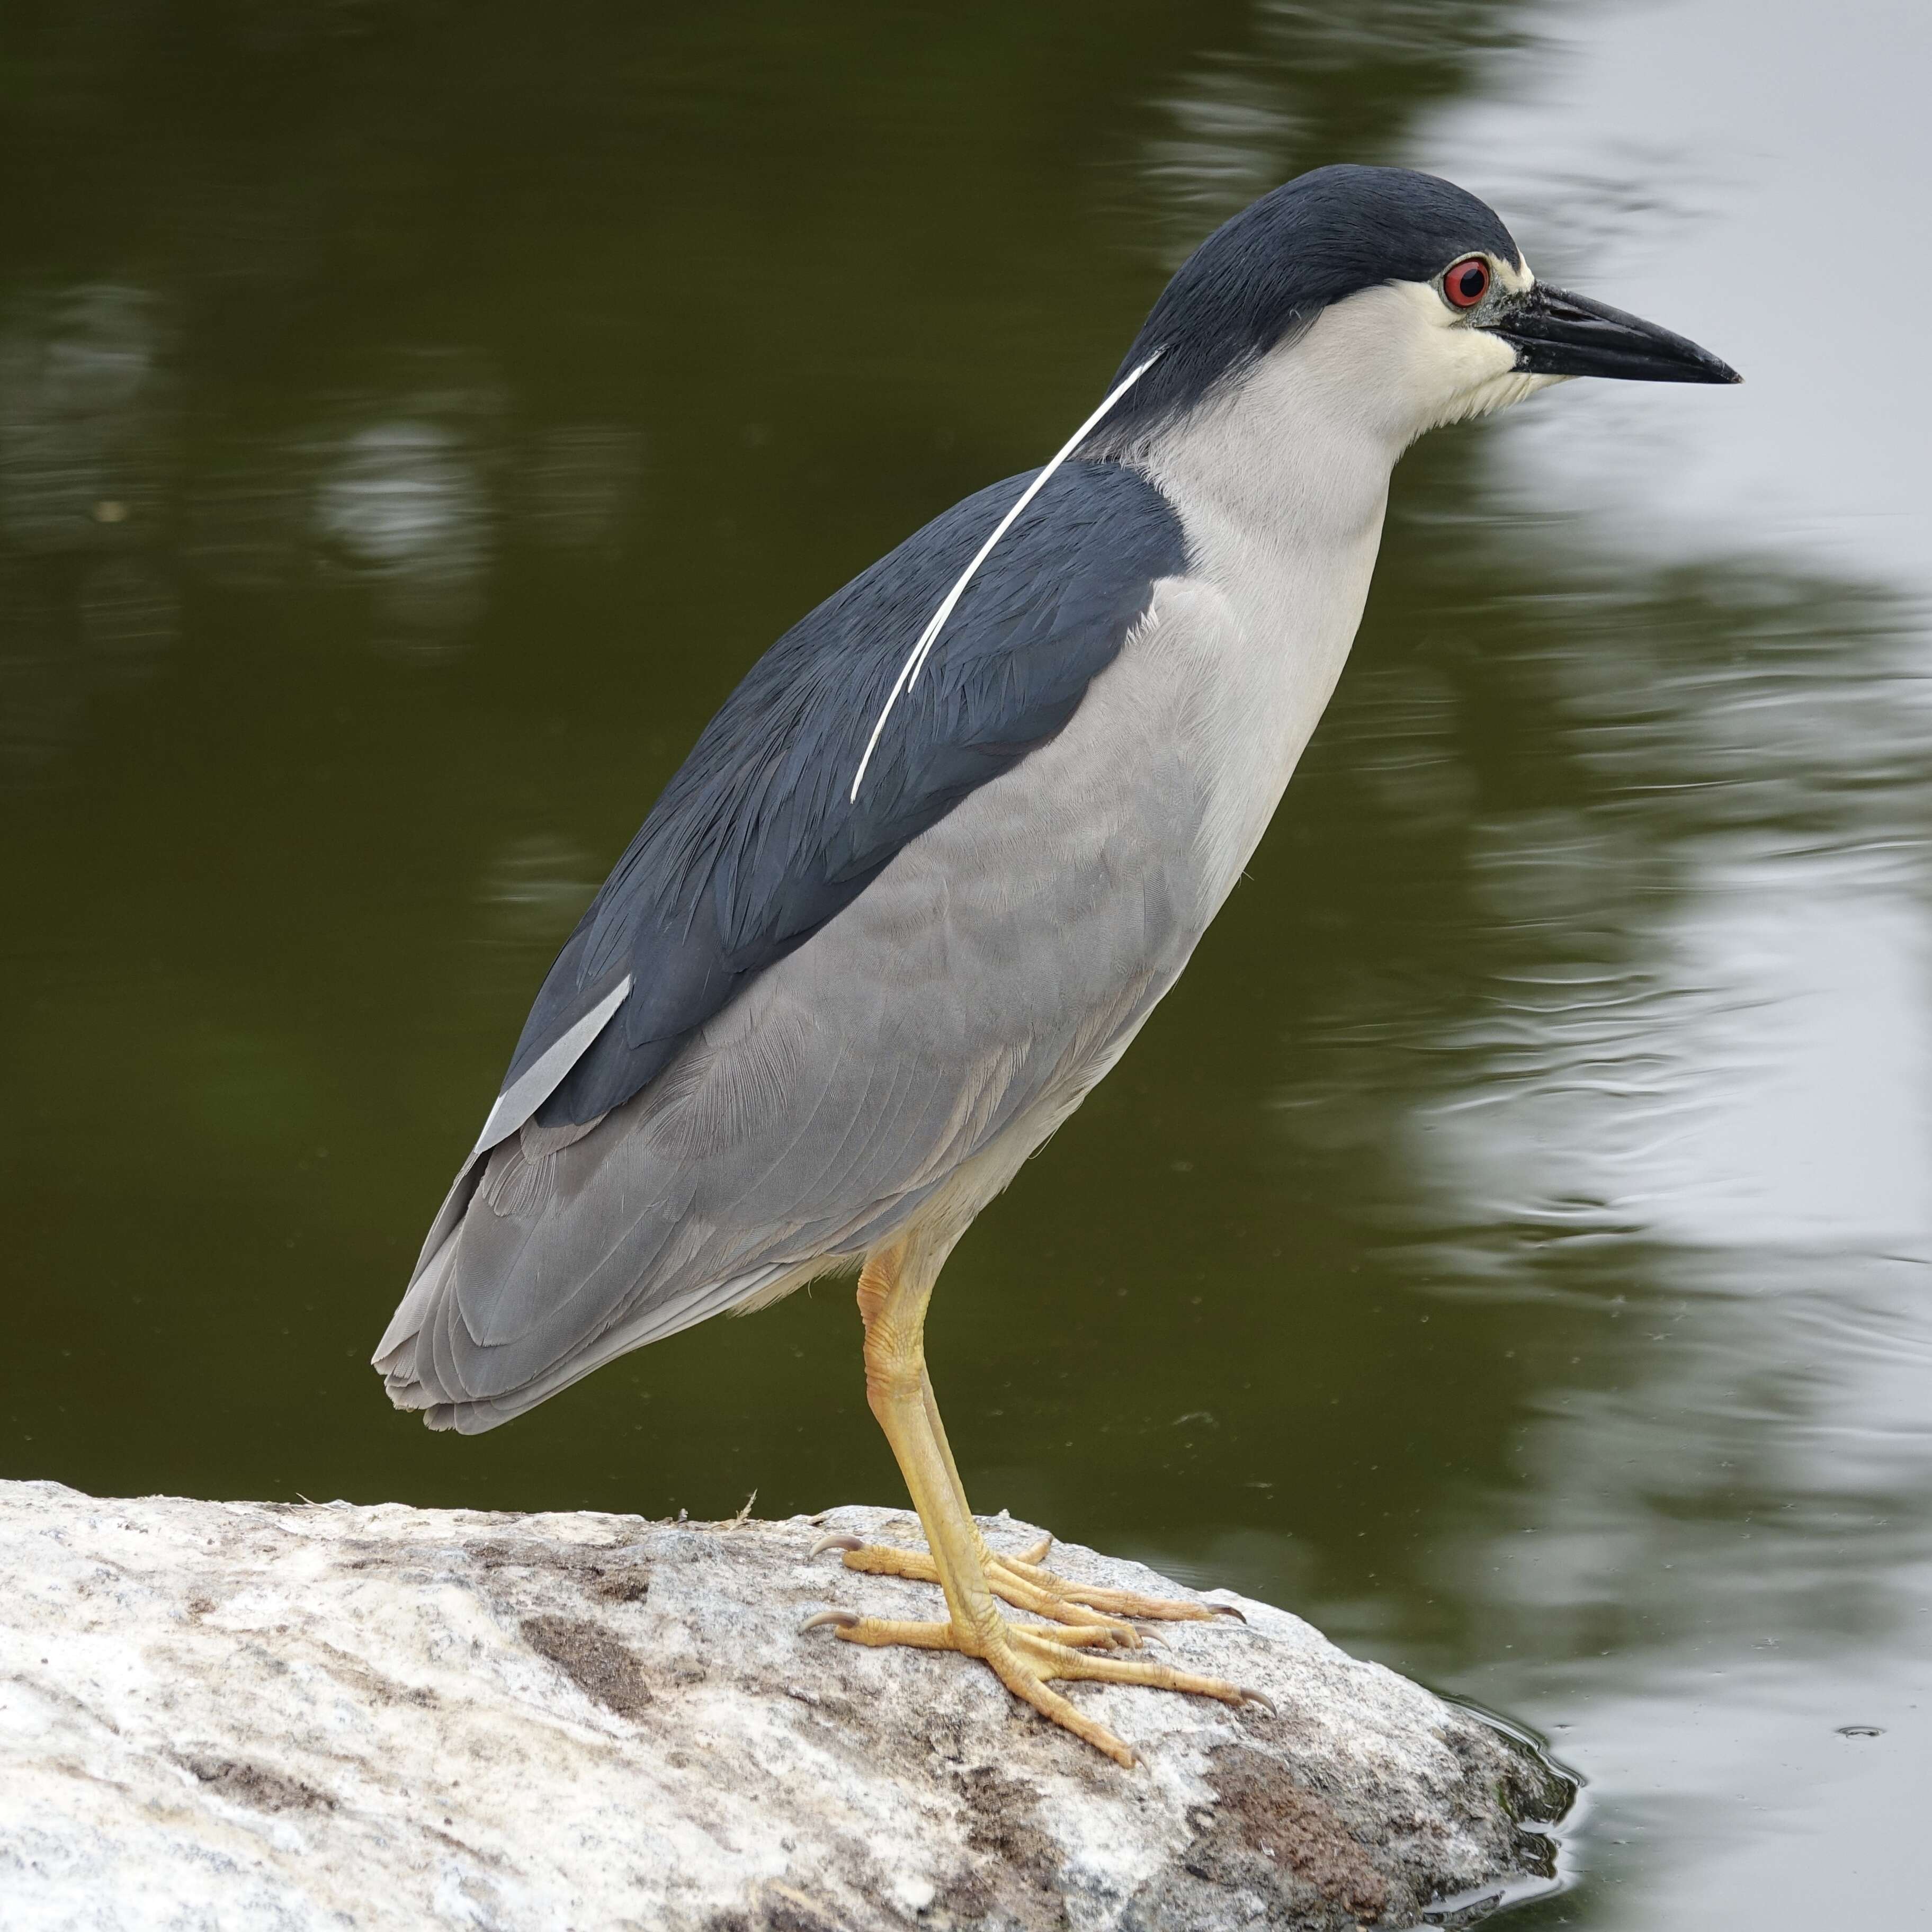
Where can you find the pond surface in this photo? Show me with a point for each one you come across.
(1509, 1247)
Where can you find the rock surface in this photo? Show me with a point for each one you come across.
(248, 1715)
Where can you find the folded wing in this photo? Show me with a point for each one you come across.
(664, 1144)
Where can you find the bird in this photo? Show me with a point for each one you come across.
(929, 869)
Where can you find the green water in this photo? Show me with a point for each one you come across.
(414, 419)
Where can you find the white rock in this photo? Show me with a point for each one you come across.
(249, 1715)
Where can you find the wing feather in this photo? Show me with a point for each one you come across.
(832, 1010)
(755, 844)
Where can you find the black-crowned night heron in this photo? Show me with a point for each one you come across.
(927, 873)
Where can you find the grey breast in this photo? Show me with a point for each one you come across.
(844, 1005)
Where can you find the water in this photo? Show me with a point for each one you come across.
(1508, 1245)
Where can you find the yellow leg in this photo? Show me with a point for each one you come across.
(1019, 1579)
(894, 1290)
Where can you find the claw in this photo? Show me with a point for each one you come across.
(1260, 1697)
(1228, 1610)
(833, 1539)
(843, 1619)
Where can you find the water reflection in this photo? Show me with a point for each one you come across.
(1643, 1060)
(1823, 452)
(87, 440)
(1745, 1476)
(88, 451)
(536, 890)
(244, 517)
(585, 480)
(401, 505)
(1311, 81)
(1664, 1097)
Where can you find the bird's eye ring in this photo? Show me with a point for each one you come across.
(1466, 282)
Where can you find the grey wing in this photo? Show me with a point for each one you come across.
(902, 1063)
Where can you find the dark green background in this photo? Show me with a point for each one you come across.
(413, 419)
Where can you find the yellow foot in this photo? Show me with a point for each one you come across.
(1020, 1581)
(1026, 1657)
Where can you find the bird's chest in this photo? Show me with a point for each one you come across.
(1250, 648)
(1282, 488)
(1074, 887)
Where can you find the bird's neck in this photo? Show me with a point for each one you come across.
(1281, 485)
(1287, 461)
(1281, 497)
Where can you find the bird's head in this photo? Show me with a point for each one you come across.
(1399, 298)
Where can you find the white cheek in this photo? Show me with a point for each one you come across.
(1396, 361)
(1474, 372)
(1447, 369)
(1459, 371)
(1475, 355)
(1392, 357)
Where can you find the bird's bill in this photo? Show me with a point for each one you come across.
(1555, 333)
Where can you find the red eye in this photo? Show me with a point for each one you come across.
(1467, 283)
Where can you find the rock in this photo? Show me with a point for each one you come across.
(248, 1715)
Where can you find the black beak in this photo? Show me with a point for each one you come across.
(1555, 333)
